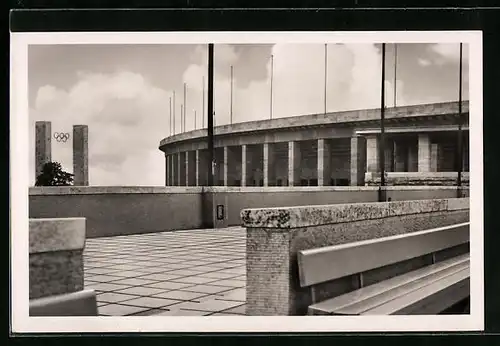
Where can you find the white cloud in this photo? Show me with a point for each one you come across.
(423, 62)
(450, 52)
(126, 116)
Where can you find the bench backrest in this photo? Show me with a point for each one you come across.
(333, 262)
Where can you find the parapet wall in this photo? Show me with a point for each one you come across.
(111, 211)
(275, 235)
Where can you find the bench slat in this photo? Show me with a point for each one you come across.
(392, 294)
(332, 262)
(372, 293)
(431, 299)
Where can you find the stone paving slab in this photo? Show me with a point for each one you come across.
(180, 273)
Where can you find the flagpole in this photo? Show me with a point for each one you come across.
(170, 120)
(326, 72)
(272, 72)
(185, 107)
(210, 118)
(203, 103)
(382, 131)
(395, 70)
(231, 106)
(182, 117)
(173, 107)
(460, 131)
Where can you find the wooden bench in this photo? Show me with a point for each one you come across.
(428, 290)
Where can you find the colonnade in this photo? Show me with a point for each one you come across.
(319, 162)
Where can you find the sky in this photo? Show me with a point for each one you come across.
(123, 92)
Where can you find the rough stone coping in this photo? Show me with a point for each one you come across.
(49, 235)
(102, 190)
(323, 119)
(304, 216)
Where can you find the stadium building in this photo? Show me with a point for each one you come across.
(332, 149)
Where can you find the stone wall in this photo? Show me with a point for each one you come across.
(114, 211)
(111, 211)
(275, 235)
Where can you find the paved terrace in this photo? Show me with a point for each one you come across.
(181, 273)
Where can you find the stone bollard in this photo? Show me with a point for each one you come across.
(56, 278)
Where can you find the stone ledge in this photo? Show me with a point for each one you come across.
(50, 235)
(101, 190)
(305, 216)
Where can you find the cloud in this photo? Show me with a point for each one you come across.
(449, 53)
(423, 62)
(126, 116)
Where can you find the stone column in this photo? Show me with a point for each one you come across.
(244, 170)
(81, 155)
(269, 165)
(434, 157)
(400, 157)
(167, 170)
(294, 163)
(372, 164)
(179, 169)
(172, 169)
(43, 146)
(197, 168)
(324, 160)
(225, 172)
(424, 153)
(358, 161)
(190, 168)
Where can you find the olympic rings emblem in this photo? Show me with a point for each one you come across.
(61, 136)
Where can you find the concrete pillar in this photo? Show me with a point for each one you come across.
(43, 145)
(400, 157)
(178, 181)
(434, 157)
(201, 166)
(197, 168)
(372, 164)
(358, 161)
(424, 153)
(244, 169)
(294, 169)
(172, 169)
(167, 170)
(81, 155)
(227, 157)
(190, 168)
(269, 165)
(324, 161)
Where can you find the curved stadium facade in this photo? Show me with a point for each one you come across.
(332, 149)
